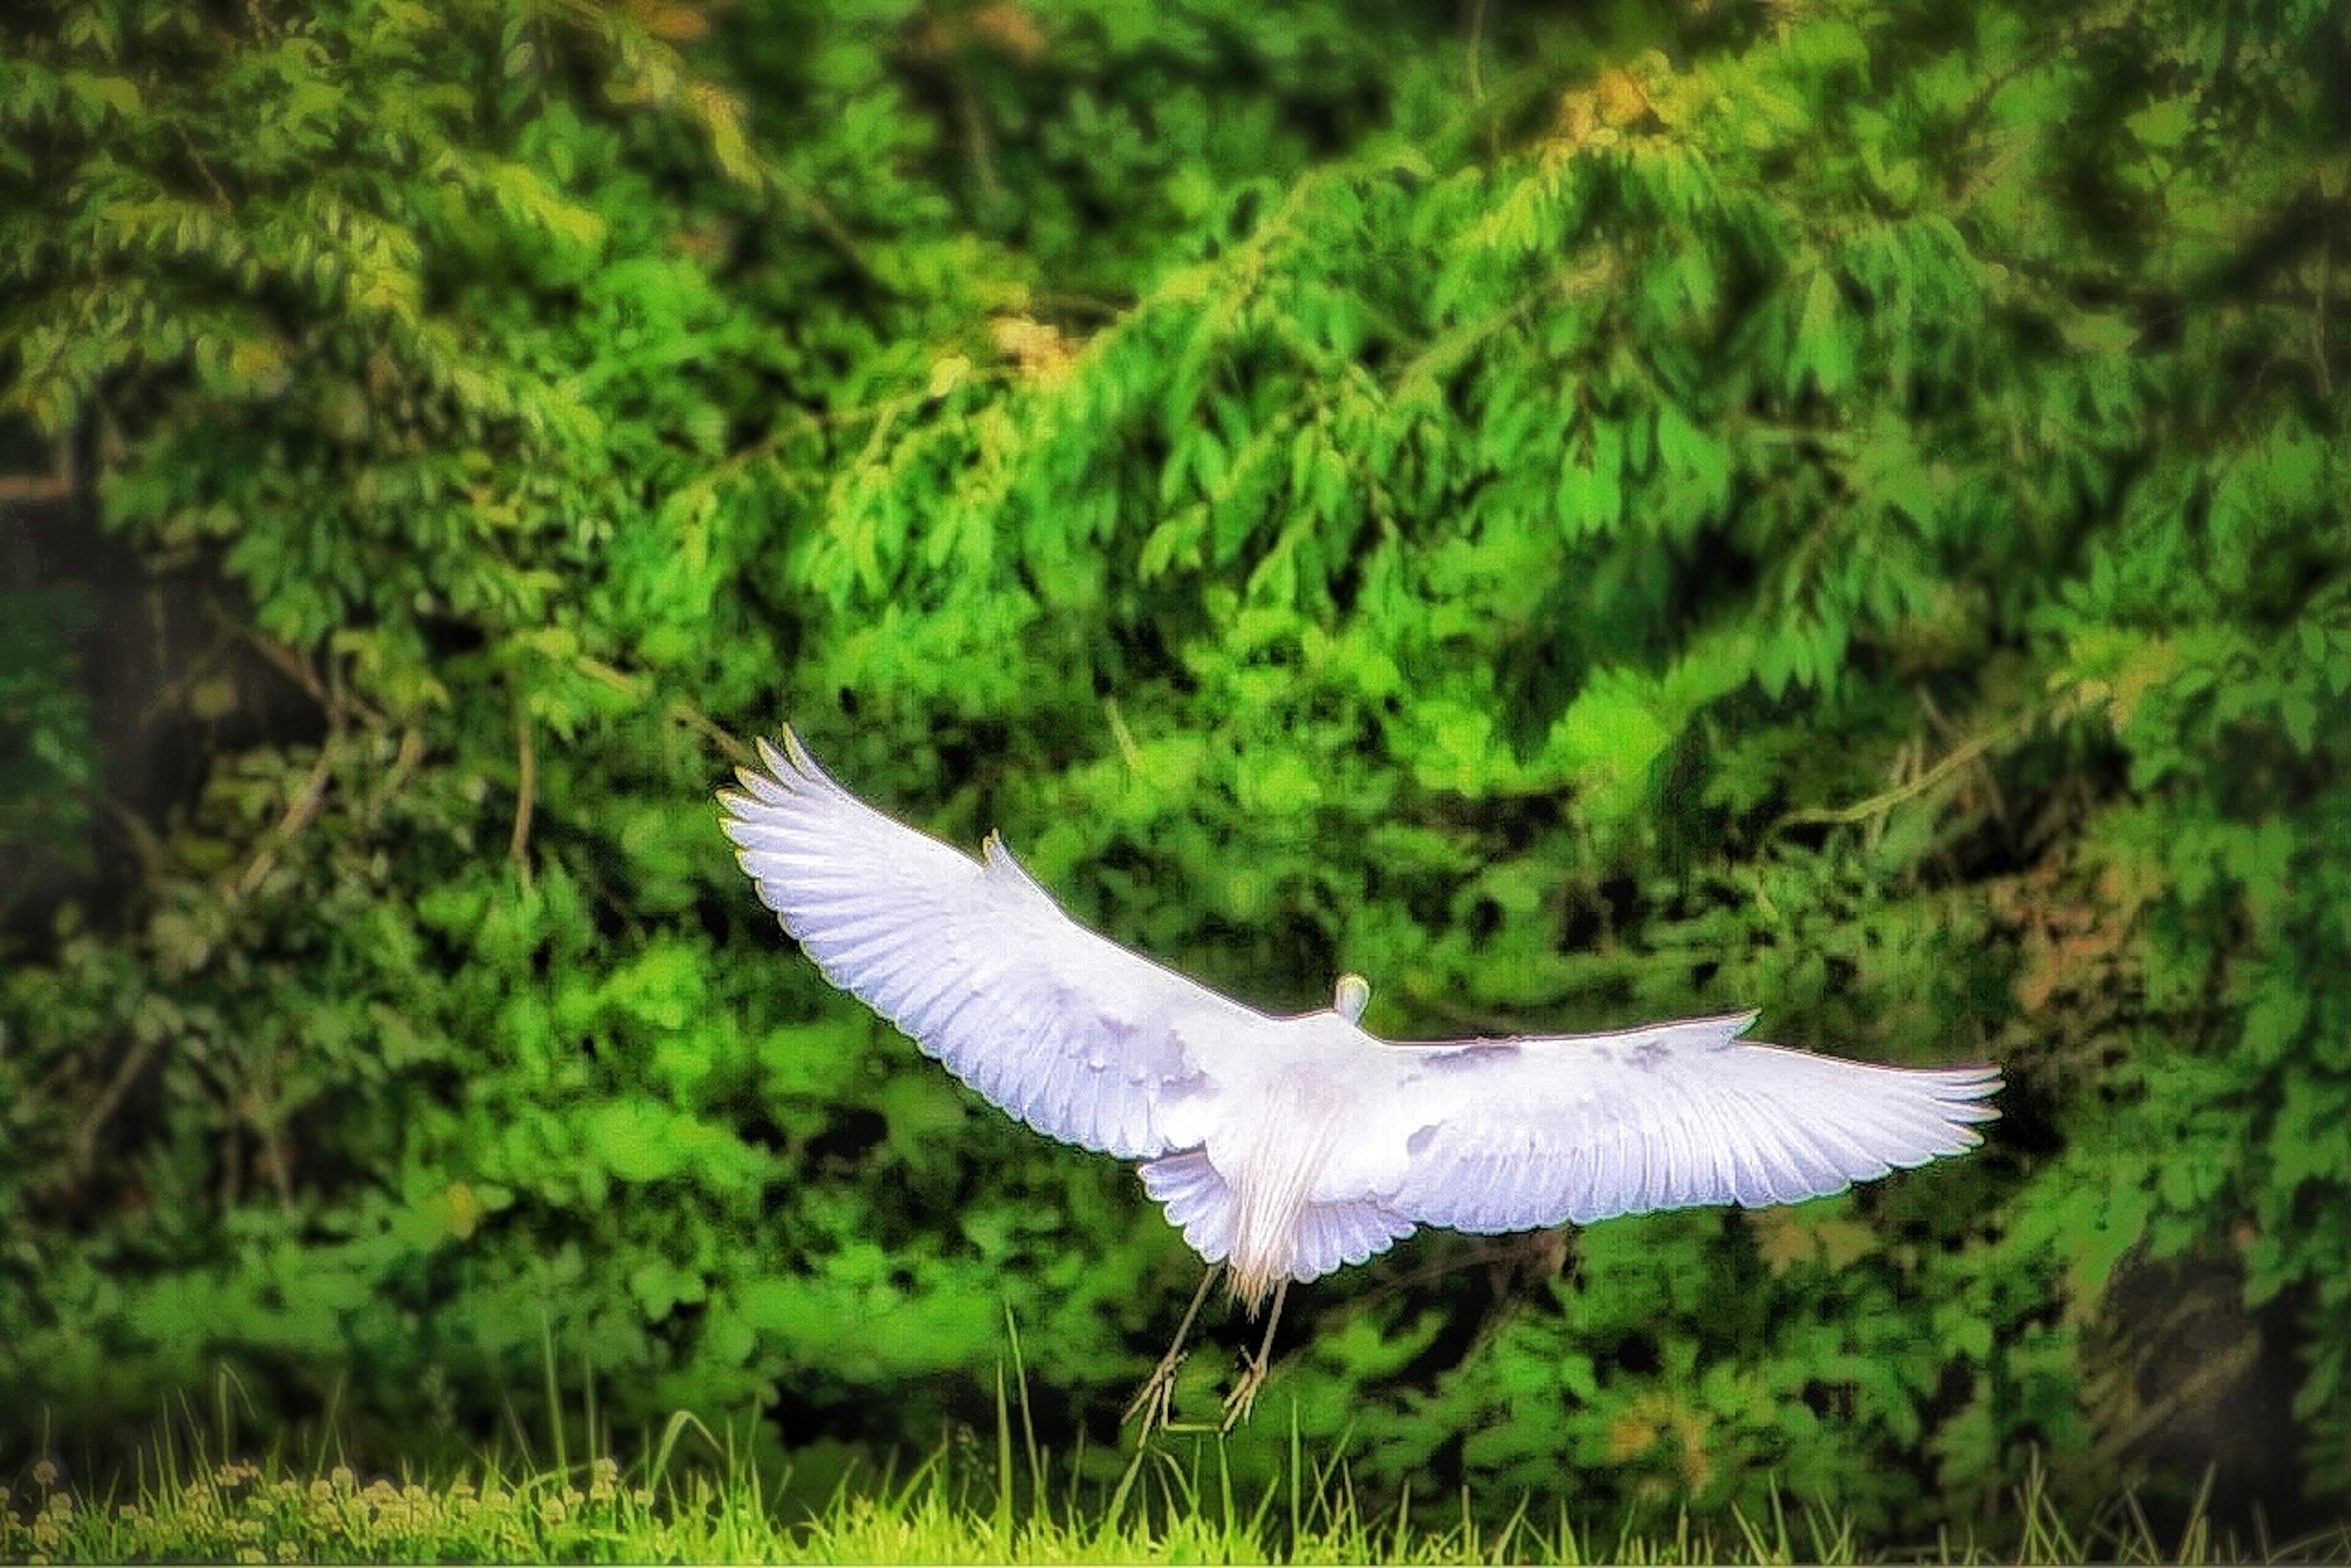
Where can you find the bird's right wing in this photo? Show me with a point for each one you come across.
(1063, 1028)
(1515, 1135)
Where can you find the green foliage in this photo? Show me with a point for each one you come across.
(1841, 511)
(46, 766)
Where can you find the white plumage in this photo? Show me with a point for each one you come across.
(1285, 1147)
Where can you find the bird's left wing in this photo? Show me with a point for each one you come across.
(1514, 1134)
(1061, 1028)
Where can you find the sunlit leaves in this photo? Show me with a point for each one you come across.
(1608, 739)
(640, 1141)
(1823, 340)
(1591, 479)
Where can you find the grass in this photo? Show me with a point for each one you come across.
(236, 1510)
(196, 1509)
(693, 1497)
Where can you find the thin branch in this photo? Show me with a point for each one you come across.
(829, 229)
(332, 694)
(144, 842)
(1476, 45)
(1130, 752)
(2324, 286)
(526, 790)
(404, 764)
(281, 658)
(1886, 801)
(221, 198)
(273, 1160)
(978, 144)
(736, 752)
(82, 1141)
(300, 812)
(1964, 127)
(1944, 727)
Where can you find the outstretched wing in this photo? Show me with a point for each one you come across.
(1514, 1134)
(1063, 1028)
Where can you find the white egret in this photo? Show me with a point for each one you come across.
(1284, 1148)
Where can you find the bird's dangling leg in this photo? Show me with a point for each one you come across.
(1244, 1393)
(1155, 1401)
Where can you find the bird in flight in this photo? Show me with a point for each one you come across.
(1285, 1147)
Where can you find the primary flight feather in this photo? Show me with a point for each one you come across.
(1285, 1147)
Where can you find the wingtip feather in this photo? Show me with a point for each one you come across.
(780, 774)
(803, 763)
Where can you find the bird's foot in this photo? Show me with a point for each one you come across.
(1155, 1400)
(1244, 1395)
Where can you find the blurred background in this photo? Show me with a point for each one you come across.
(1584, 513)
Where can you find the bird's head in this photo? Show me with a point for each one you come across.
(1353, 995)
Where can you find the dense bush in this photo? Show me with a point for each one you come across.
(1834, 509)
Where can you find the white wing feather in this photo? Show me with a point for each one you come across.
(1063, 1028)
(1514, 1134)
